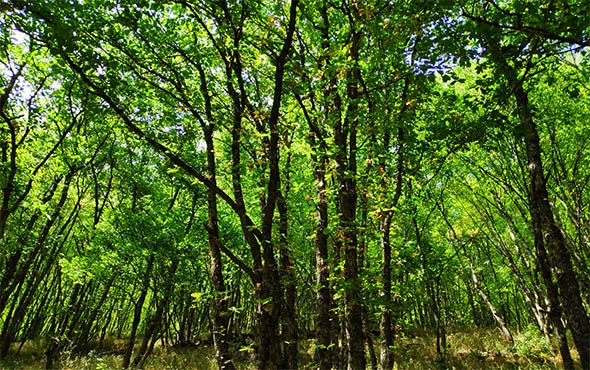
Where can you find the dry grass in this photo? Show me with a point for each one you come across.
(32, 358)
(467, 349)
(478, 349)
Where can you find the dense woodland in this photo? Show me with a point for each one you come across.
(286, 178)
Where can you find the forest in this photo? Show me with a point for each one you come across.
(303, 184)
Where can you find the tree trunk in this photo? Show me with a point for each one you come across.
(345, 136)
(137, 313)
(386, 358)
(85, 335)
(323, 325)
(219, 314)
(270, 349)
(432, 291)
(476, 284)
(385, 327)
(499, 321)
(289, 318)
(547, 233)
(14, 317)
(155, 326)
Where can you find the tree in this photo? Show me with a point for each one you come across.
(515, 61)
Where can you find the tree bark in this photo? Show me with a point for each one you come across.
(499, 320)
(386, 360)
(323, 326)
(138, 307)
(289, 320)
(270, 292)
(431, 285)
(219, 314)
(14, 317)
(548, 235)
(345, 140)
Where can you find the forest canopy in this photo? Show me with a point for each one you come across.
(299, 182)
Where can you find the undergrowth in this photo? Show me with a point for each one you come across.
(478, 349)
(466, 349)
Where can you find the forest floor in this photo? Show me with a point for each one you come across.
(466, 349)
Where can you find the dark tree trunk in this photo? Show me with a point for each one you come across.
(12, 275)
(15, 274)
(347, 205)
(149, 336)
(325, 327)
(431, 285)
(155, 325)
(269, 313)
(138, 307)
(219, 314)
(323, 324)
(270, 293)
(219, 308)
(548, 235)
(289, 318)
(85, 335)
(345, 136)
(8, 153)
(386, 358)
(14, 318)
(60, 339)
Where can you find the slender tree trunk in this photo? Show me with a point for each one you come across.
(85, 335)
(15, 274)
(547, 233)
(370, 345)
(289, 318)
(432, 291)
(149, 335)
(530, 295)
(345, 135)
(499, 321)
(36, 323)
(476, 284)
(9, 156)
(14, 317)
(347, 199)
(387, 335)
(219, 314)
(11, 273)
(57, 344)
(555, 312)
(219, 308)
(386, 358)
(323, 325)
(155, 325)
(269, 313)
(138, 307)
(61, 338)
